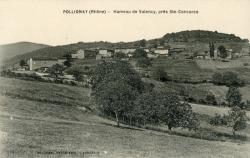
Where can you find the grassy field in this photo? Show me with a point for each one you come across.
(45, 92)
(182, 69)
(216, 64)
(47, 128)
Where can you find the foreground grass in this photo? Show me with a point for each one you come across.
(47, 130)
(31, 127)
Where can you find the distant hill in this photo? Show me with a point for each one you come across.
(8, 51)
(201, 36)
(196, 40)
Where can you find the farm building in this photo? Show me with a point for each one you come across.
(125, 50)
(35, 64)
(152, 55)
(161, 51)
(201, 55)
(105, 53)
(84, 54)
(245, 52)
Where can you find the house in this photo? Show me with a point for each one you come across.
(152, 55)
(84, 54)
(105, 53)
(161, 51)
(245, 52)
(80, 54)
(125, 50)
(146, 50)
(229, 53)
(43, 63)
(201, 55)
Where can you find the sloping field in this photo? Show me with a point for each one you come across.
(47, 130)
(45, 92)
(183, 69)
(40, 128)
(216, 64)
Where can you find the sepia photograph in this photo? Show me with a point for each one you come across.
(124, 79)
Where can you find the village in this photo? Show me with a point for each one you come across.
(40, 66)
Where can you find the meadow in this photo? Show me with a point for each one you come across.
(49, 127)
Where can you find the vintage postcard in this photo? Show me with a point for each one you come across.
(125, 79)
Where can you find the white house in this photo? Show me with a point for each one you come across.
(161, 51)
(80, 54)
(125, 50)
(105, 52)
(84, 54)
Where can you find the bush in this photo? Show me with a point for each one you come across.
(143, 62)
(245, 64)
(210, 99)
(227, 78)
(160, 74)
(219, 120)
(190, 99)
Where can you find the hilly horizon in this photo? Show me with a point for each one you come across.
(10, 50)
(193, 40)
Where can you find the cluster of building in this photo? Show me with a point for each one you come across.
(98, 54)
(109, 53)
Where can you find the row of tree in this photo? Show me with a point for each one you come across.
(221, 48)
(236, 117)
(119, 92)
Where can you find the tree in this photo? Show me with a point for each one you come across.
(160, 74)
(227, 78)
(210, 99)
(217, 78)
(22, 63)
(77, 72)
(140, 53)
(120, 55)
(143, 62)
(142, 43)
(56, 71)
(231, 79)
(116, 97)
(211, 49)
(179, 115)
(68, 60)
(233, 96)
(116, 70)
(147, 107)
(162, 107)
(223, 51)
(237, 119)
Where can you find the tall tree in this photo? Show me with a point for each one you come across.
(140, 53)
(237, 119)
(116, 97)
(211, 49)
(68, 61)
(22, 63)
(233, 96)
(114, 70)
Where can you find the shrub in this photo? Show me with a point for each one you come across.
(210, 99)
(143, 62)
(219, 120)
(160, 74)
(245, 64)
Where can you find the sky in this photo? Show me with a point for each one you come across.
(44, 21)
